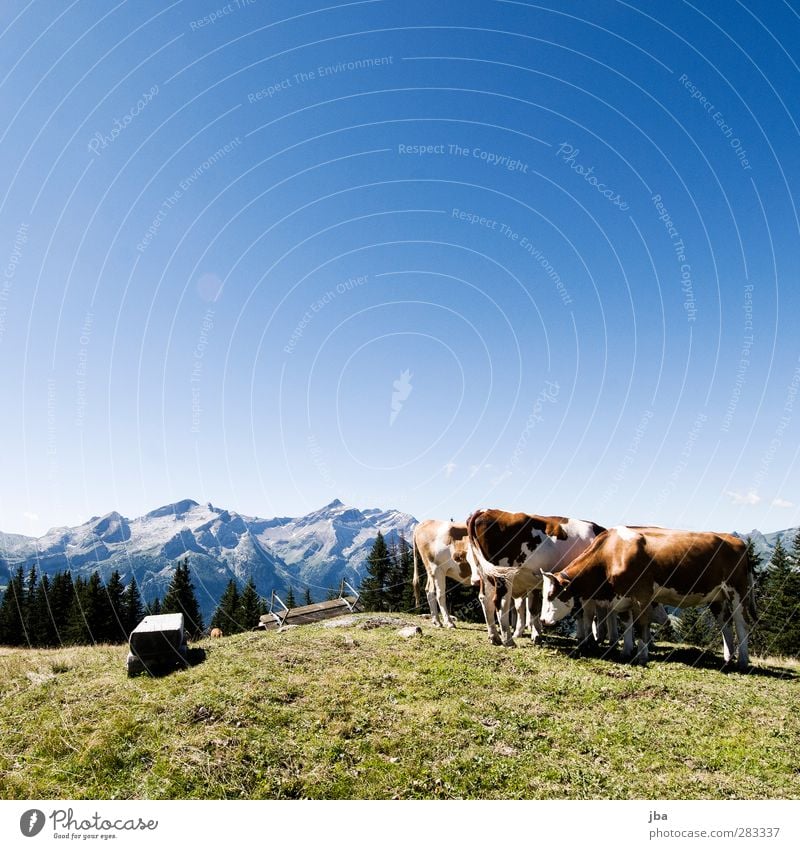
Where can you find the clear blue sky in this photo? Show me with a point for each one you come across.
(432, 256)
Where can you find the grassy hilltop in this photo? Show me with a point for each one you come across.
(348, 712)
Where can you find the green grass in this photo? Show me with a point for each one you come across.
(337, 713)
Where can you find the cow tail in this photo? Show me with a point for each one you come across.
(415, 581)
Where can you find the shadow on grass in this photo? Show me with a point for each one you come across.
(687, 655)
(194, 657)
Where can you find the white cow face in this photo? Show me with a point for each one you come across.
(554, 606)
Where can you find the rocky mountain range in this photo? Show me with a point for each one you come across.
(314, 551)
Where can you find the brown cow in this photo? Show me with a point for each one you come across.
(442, 547)
(216, 632)
(509, 551)
(629, 568)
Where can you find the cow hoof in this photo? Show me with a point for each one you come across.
(450, 625)
(495, 640)
(510, 644)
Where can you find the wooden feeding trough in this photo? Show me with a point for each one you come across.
(279, 615)
(157, 643)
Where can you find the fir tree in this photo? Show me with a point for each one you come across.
(180, 598)
(778, 629)
(28, 612)
(12, 612)
(373, 589)
(290, 599)
(307, 596)
(697, 627)
(155, 607)
(42, 628)
(61, 596)
(132, 607)
(251, 607)
(226, 616)
(77, 631)
(111, 628)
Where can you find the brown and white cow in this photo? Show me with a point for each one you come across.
(508, 553)
(630, 568)
(442, 547)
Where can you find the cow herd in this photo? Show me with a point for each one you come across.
(547, 567)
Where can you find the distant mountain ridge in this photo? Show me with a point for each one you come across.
(315, 551)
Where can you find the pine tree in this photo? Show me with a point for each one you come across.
(112, 628)
(307, 596)
(251, 607)
(697, 627)
(406, 574)
(12, 612)
(132, 607)
(226, 616)
(61, 596)
(778, 629)
(42, 628)
(290, 599)
(155, 607)
(77, 630)
(180, 598)
(373, 589)
(28, 612)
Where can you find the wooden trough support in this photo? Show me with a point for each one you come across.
(157, 643)
(276, 618)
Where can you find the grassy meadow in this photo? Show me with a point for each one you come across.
(359, 712)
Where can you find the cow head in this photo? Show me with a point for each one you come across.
(557, 602)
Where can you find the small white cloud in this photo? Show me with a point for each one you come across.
(743, 498)
(31, 517)
(782, 502)
(449, 468)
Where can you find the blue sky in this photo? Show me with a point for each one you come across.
(414, 255)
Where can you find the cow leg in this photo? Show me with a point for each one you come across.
(430, 592)
(741, 633)
(643, 621)
(722, 612)
(627, 641)
(441, 598)
(505, 602)
(489, 611)
(534, 601)
(599, 628)
(584, 627)
(521, 606)
(613, 629)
